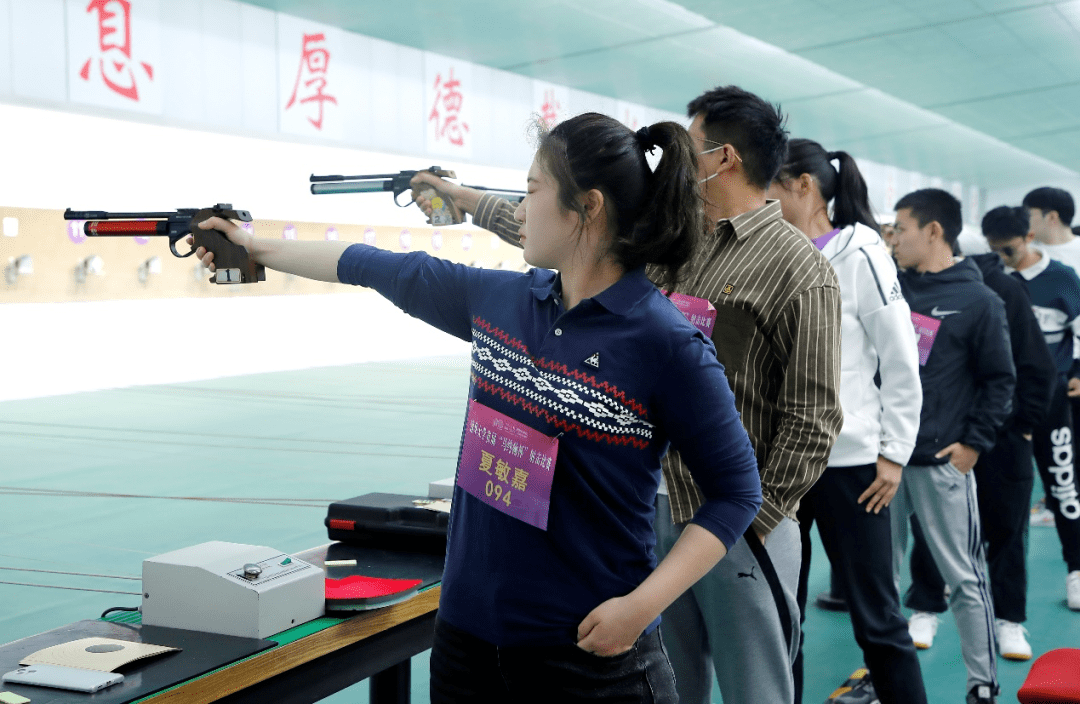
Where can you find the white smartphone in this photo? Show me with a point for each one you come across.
(73, 678)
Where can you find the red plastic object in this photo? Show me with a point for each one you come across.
(342, 524)
(125, 227)
(358, 587)
(1054, 678)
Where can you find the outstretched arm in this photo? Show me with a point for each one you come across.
(312, 260)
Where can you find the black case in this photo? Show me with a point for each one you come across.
(387, 521)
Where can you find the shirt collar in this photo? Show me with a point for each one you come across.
(620, 298)
(1038, 267)
(749, 222)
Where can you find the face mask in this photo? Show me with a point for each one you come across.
(710, 151)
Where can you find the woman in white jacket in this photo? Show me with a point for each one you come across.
(881, 397)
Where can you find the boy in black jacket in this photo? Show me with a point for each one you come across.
(968, 380)
(1005, 477)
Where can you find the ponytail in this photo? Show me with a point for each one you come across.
(844, 187)
(654, 218)
(672, 219)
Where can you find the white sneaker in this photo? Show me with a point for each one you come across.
(923, 627)
(1072, 590)
(1011, 641)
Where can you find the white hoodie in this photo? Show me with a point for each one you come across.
(877, 336)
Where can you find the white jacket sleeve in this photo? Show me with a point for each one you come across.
(886, 317)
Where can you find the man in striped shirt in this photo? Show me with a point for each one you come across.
(777, 333)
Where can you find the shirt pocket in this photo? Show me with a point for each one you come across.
(733, 334)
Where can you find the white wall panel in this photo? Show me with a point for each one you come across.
(582, 101)
(5, 47)
(221, 56)
(355, 77)
(410, 95)
(181, 61)
(511, 111)
(258, 68)
(37, 49)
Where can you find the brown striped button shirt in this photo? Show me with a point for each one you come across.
(777, 334)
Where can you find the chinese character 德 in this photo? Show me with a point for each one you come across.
(314, 59)
(448, 98)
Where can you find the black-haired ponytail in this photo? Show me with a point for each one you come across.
(844, 187)
(654, 218)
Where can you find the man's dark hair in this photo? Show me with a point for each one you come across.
(1056, 199)
(935, 205)
(731, 115)
(1006, 223)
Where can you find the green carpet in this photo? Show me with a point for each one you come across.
(255, 459)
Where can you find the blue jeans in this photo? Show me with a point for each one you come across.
(465, 668)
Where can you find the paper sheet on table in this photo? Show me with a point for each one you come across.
(102, 654)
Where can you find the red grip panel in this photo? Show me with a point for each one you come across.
(339, 524)
(122, 227)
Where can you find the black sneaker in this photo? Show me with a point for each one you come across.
(858, 689)
(981, 694)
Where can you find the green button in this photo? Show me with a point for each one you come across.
(287, 561)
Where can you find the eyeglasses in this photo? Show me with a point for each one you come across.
(716, 149)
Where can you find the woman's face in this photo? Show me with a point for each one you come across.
(549, 234)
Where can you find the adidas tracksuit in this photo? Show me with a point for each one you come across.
(968, 382)
(1055, 297)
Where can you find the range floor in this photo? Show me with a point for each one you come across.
(93, 483)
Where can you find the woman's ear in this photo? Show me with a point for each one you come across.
(806, 184)
(594, 204)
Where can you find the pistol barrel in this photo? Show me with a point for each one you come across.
(352, 187)
(125, 228)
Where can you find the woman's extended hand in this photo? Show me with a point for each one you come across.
(613, 627)
(231, 230)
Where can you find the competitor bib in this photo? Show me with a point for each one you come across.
(507, 465)
(926, 329)
(698, 311)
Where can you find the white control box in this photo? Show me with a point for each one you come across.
(232, 589)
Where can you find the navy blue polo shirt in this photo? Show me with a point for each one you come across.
(653, 381)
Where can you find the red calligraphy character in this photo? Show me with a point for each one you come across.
(449, 98)
(549, 111)
(314, 61)
(114, 44)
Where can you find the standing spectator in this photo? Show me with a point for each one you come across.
(968, 380)
(1051, 213)
(1055, 297)
(777, 333)
(850, 503)
(1005, 475)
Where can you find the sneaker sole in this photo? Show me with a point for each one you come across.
(1015, 656)
(922, 646)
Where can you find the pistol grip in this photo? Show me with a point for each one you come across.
(231, 261)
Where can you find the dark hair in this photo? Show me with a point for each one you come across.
(845, 188)
(655, 218)
(935, 205)
(1006, 223)
(731, 115)
(1056, 199)
(1076, 230)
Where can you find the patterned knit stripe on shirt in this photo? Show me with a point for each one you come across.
(571, 402)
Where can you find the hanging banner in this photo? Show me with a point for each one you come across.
(310, 84)
(114, 52)
(449, 96)
(550, 102)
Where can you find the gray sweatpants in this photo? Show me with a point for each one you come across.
(729, 621)
(944, 501)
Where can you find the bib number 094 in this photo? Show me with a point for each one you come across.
(496, 490)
